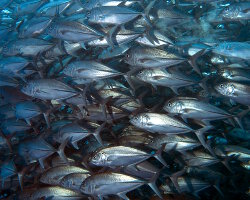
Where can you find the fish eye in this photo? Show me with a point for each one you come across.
(88, 13)
(221, 85)
(169, 104)
(127, 55)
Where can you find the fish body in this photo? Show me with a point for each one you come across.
(54, 175)
(110, 183)
(113, 15)
(48, 89)
(233, 49)
(72, 131)
(167, 78)
(235, 91)
(51, 192)
(161, 123)
(195, 109)
(174, 142)
(34, 27)
(26, 47)
(151, 57)
(89, 70)
(236, 12)
(118, 156)
(72, 31)
(28, 6)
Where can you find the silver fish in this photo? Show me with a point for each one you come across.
(236, 91)
(26, 47)
(113, 183)
(48, 89)
(54, 175)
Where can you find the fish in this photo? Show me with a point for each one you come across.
(233, 49)
(236, 91)
(151, 57)
(27, 7)
(100, 184)
(27, 110)
(34, 27)
(240, 153)
(48, 89)
(187, 184)
(115, 15)
(163, 124)
(75, 133)
(72, 31)
(234, 74)
(110, 157)
(54, 175)
(51, 192)
(195, 109)
(37, 149)
(26, 47)
(167, 78)
(89, 70)
(174, 143)
(52, 8)
(236, 12)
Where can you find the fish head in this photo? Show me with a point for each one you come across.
(67, 182)
(226, 89)
(226, 73)
(99, 158)
(230, 12)
(144, 74)
(93, 16)
(174, 106)
(87, 187)
(8, 49)
(226, 49)
(129, 58)
(69, 70)
(29, 89)
(140, 120)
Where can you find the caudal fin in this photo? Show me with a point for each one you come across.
(152, 184)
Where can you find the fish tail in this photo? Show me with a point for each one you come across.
(152, 184)
(158, 155)
(61, 148)
(146, 12)
(97, 133)
(200, 135)
(192, 61)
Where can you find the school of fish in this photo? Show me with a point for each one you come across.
(124, 99)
